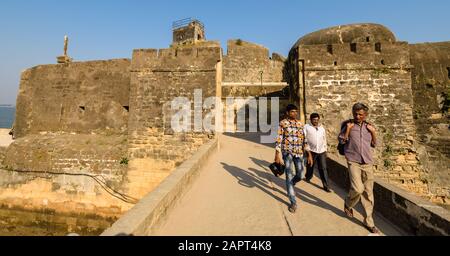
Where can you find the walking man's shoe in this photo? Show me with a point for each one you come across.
(296, 180)
(293, 208)
(373, 230)
(348, 211)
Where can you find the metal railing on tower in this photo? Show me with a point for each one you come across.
(185, 22)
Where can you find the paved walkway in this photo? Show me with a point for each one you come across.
(5, 138)
(236, 194)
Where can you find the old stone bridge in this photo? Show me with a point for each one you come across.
(227, 189)
(95, 137)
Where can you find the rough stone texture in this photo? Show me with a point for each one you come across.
(404, 86)
(79, 97)
(65, 173)
(386, 89)
(74, 119)
(71, 124)
(5, 141)
(330, 78)
(158, 76)
(95, 154)
(2, 154)
(250, 72)
(245, 61)
(20, 222)
(148, 214)
(431, 88)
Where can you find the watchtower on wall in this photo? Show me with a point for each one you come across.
(188, 31)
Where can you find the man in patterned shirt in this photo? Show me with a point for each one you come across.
(289, 150)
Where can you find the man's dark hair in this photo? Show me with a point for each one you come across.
(291, 107)
(314, 115)
(359, 106)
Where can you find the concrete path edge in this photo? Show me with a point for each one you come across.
(414, 215)
(151, 210)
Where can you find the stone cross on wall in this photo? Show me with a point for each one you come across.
(64, 58)
(66, 43)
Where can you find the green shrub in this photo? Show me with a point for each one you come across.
(387, 163)
(124, 161)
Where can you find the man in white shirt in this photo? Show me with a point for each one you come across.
(316, 148)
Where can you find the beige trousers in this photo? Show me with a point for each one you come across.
(361, 187)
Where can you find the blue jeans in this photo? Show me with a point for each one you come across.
(289, 159)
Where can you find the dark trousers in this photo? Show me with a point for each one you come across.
(320, 162)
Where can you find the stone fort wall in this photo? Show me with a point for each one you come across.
(80, 97)
(337, 76)
(71, 128)
(249, 71)
(431, 90)
(110, 119)
(94, 137)
(244, 61)
(158, 76)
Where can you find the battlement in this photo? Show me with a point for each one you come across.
(243, 49)
(355, 55)
(177, 58)
(247, 62)
(75, 64)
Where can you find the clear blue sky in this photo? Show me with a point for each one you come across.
(32, 31)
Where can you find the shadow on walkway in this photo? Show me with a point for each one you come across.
(340, 192)
(250, 180)
(260, 179)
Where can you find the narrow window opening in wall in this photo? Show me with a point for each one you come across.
(330, 49)
(127, 108)
(368, 39)
(429, 86)
(378, 47)
(448, 72)
(199, 37)
(335, 63)
(82, 108)
(382, 62)
(353, 47)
